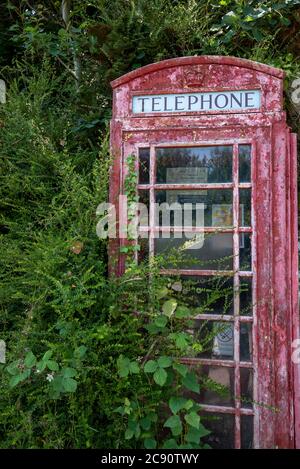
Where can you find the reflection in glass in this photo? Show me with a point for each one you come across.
(194, 165)
(222, 430)
(246, 388)
(216, 385)
(143, 212)
(245, 163)
(210, 295)
(246, 431)
(245, 207)
(214, 208)
(197, 251)
(245, 252)
(144, 165)
(246, 303)
(216, 339)
(246, 342)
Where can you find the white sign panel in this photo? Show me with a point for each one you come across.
(195, 102)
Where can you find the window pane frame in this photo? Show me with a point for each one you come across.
(238, 410)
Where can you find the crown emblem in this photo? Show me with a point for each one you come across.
(193, 75)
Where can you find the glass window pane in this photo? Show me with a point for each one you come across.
(194, 165)
(143, 253)
(246, 342)
(214, 208)
(222, 430)
(246, 388)
(245, 207)
(245, 252)
(245, 163)
(144, 165)
(246, 305)
(216, 339)
(216, 386)
(143, 208)
(196, 251)
(246, 431)
(209, 295)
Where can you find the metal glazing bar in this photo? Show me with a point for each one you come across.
(236, 301)
(213, 362)
(152, 201)
(224, 410)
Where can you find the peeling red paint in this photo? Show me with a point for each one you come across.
(274, 214)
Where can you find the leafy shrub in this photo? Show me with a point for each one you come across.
(82, 370)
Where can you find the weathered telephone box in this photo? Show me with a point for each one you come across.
(212, 130)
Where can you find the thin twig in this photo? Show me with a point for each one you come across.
(149, 351)
(67, 68)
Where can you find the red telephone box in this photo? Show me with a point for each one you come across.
(212, 129)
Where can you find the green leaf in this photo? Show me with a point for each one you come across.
(203, 431)
(192, 419)
(176, 431)
(14, 380)
(172, 422)
(257, 34)
(164, 362)
(30, 360)
(129, 434)
(170, 444)
(57, 384)
(161, 321)
(180, 339)
(182, 312)
(137, 433)
(150, 443)
(47, 355)
(228, 37)
(150, 366)
(162, 293)
(180, 368)
(152, 328)
(230, 18)
(134, 368)
(40, 366)
(194, 435)
(189, 404)
(123, 366)
(169, 307)
(80, 351)
(13, 369)
(152, 416)
(52, 365)
(160, 376)
(68, 372)
(191, 383)
(69, 385)
(176, 404)
(132, 424)
(25, 374)
(145, 423)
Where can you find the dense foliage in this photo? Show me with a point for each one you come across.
(60, 314)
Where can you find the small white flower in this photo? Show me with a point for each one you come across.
(38, 371)
(49, 377)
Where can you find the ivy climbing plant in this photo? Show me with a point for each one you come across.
(174, 419)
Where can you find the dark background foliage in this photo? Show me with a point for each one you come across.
(57, 59)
